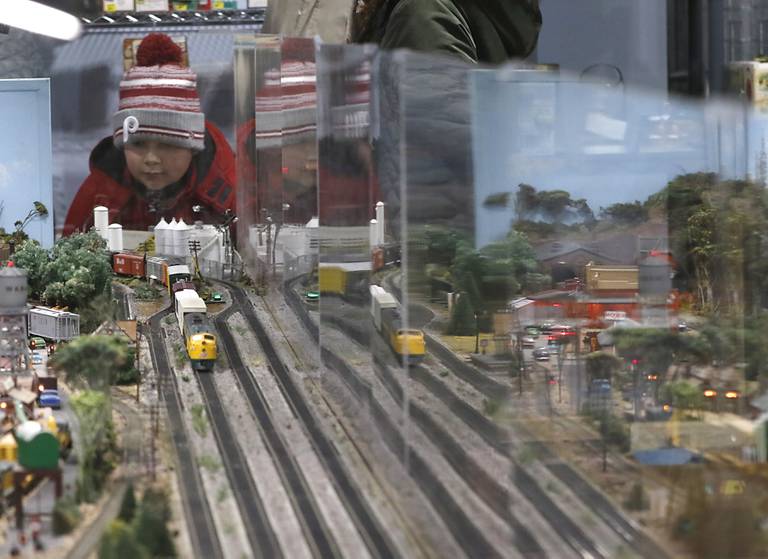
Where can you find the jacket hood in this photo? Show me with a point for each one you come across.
(509, 25)
(517, 22)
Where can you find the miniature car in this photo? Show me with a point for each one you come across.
(600, 385)
(541, 354)
(36, 342)
(529, 341)
(50, 399)
(312, 296)
(216, 297)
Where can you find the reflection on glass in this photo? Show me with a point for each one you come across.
(541, 295)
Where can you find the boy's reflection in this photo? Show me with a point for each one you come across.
(163, 158)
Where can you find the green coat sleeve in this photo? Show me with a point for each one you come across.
(431, 26)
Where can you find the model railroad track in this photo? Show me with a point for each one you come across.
(615, 520)
(493, 434)
(258, 530)
(463, 529)
(318, 535)
(202, 530)
(369, 528)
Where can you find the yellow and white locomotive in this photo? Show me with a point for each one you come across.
(406, 343)
(192, 316)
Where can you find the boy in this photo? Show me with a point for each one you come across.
(163, 158)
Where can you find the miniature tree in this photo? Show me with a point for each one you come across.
(120, 542)
(95, 361)
(602, 365)
(128, 506)
(683, 395)
(151, 523)
(463, 321)
(71, 274)
(66, 515)
(38, 211)
(97, 440)
(637, 500)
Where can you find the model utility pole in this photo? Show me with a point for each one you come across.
(194, 248)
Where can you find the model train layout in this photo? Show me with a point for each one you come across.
(190, 309)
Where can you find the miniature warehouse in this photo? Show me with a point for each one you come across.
(267, 296)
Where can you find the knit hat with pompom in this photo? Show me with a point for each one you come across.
(158, 98)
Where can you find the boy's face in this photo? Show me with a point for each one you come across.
(155, 164)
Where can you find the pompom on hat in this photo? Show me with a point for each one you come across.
(158, 98)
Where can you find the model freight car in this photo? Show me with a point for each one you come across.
(156, 269)
(407, 343)
(53, 324)
(153, 268)
(127, 264)
(175, 274)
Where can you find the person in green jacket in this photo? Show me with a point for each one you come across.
(477, 31)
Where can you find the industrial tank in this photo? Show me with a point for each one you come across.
(13, 289)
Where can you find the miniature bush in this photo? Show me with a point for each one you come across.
(151, 523)
(121, 542)
(96, 361)
(66, 515)
(462, 318)
(199, 419)
(97, 437)
(637, 499)
(128, 506)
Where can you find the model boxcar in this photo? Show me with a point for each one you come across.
(53, 324)
(157, 268)
(127, 264)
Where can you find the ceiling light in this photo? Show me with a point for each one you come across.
(37, 18)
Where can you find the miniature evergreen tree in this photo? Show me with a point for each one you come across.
(463, 321)
(120, 542)
(151, 521)
(128, 506)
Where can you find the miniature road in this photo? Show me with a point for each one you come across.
(202, 529)
(374, 535)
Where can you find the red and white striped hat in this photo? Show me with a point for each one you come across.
(158, 98)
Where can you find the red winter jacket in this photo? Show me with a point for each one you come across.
(209, 183)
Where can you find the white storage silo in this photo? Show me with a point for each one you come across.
(13, 290)
(161, 236)
(101, 221)
(13, 319)
(115, 237)
(182, 234)
(171, 238)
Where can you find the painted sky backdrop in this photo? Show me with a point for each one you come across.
(25, 154)
(605, 142)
